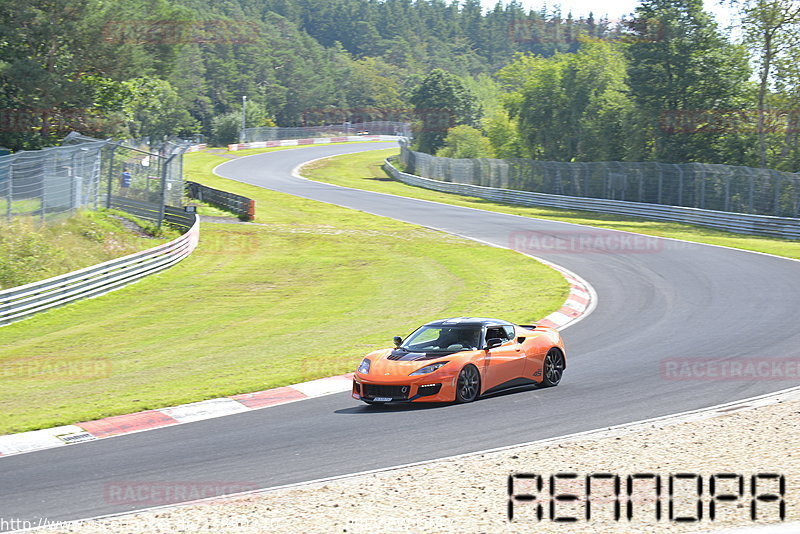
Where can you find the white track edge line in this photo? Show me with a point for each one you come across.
(592, 304)
(599, 433)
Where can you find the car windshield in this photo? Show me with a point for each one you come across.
(443, 338)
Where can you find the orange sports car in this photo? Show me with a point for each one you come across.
(460, 360)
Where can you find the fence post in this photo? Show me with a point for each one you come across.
(110, 175)
(776, 183)
(702, 199)
(10, 188)
(162, 207)
(728, 192)
(75, 185)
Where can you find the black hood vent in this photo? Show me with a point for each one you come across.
(405, 356)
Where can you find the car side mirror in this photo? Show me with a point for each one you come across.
(494, 342)
(398, 341)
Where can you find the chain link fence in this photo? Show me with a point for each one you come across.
(274, 133)
(47, 183)
(91, 173)
(698, 185)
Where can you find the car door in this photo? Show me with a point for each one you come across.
(505, 362)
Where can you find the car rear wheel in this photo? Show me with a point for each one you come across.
(552, 368)
(468, 386)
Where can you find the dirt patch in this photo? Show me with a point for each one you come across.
(132, 227)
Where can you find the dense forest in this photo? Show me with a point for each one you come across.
(664, 84)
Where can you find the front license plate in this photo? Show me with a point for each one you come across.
(382, 399)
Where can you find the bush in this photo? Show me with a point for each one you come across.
(466, 142)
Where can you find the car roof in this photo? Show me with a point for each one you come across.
(469, 321)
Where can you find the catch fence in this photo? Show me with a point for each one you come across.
(725, 188)
(91, 173)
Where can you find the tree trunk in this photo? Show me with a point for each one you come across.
(762, 94)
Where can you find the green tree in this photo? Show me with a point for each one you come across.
(503, 135)
(772, 32)
(226, 128)
(440, 102)
(465, 142)
(570, 106)
(680, 61)
(153, 110)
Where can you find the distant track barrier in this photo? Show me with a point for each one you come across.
(23, 301)
(244, 207)
(153, 211)
(311, 141)
(764, 225)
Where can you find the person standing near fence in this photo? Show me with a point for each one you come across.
(125, 182)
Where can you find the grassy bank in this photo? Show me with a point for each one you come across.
(30, 251)
(363, 171)
(300, 295)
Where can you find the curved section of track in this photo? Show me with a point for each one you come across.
(677, 300)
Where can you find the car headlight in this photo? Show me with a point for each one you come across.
(364, 367)
(428, 369)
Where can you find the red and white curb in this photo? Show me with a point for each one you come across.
(311, 141)
(186, 413)
(580, 302)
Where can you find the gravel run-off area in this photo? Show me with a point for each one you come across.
(469, 494)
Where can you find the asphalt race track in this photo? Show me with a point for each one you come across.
(675, 300)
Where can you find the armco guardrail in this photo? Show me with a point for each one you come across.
(340, 128)
(313, 141)
(20, 302)
(742, 223)
(153, 211)
(244, 207)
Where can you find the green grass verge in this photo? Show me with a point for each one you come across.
(30, 251)
(204, 208)
(363, 171)
(20, 206)
(302, 295)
